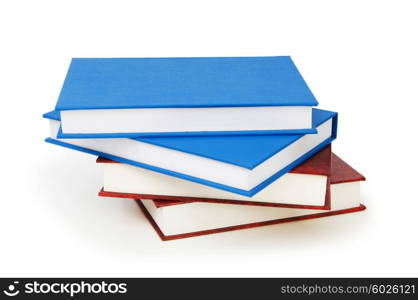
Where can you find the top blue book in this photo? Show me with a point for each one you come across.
(104, 97)
(112, 83)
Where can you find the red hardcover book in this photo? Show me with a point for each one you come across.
(306, 186)
(173, 219)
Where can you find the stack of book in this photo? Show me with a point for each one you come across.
(206, 145)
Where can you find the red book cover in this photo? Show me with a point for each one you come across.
(242, 226)
(341, 173)
(319, 164)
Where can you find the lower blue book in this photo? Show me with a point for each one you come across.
(239, 164)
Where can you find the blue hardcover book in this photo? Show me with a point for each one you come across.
(129, 97)
(239, 164)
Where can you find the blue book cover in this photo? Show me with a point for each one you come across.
(116, 83)
(128, 97)
(247, 152)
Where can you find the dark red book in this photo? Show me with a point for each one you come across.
(306, 186)
(173, 219)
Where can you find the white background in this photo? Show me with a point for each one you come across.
(358, 57)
